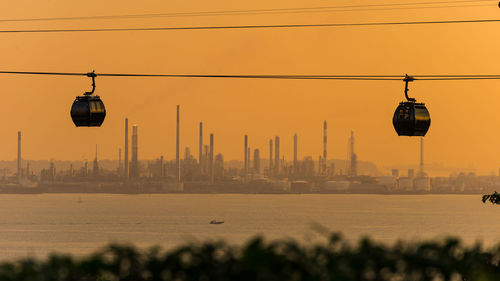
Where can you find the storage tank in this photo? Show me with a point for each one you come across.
(390, 182)
(422, 184)
(405, 184)
(336, 186)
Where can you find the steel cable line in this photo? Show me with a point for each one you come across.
(368, 7)
(277, 76)
(250, 26)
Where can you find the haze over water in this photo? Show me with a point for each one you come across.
(39, 224)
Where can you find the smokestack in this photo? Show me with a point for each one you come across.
(320, 164)
(162, 167)
(422, 174)
(211, 164)
(256, 161)
(206, 159)
(200, 153)
(19, 155)
(177, 152)
(119, 161)
(125, 166)
(295, 140)
(353, 170)
(95, 169)
(271, 170)
(245, 171)
(324, 147)
(134, 167)
(248, 160)
(276, 155)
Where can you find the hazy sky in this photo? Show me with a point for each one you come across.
(464, 130)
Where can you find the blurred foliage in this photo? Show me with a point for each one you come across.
(259, 260)
(493, 198)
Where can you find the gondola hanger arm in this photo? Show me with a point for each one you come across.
(93, 76)
(408, 79)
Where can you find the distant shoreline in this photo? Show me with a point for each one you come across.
(245, 193)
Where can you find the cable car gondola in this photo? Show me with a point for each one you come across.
(411, 118)
(88, 110)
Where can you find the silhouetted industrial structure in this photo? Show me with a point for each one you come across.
(95, 168)
(211, 158)
(200, 149)
(134, 164)
(295, 160)
(218, 168)
(421, 172)
(209, 172)
(256, 161)
(271, 170)
(177, 147)
(353, 158)
(276, 156)
(19, 169)
(120, 168)
(245, 169)
(323, 165)
(126, 163)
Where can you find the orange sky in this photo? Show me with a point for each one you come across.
(464, 128)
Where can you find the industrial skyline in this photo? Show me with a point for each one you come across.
(209, 172)
(205, 159)
(162, 176)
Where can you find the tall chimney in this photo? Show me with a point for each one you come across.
(320, 164)
(422, 174)
(249, 169)
(19, 171)
(200, 152)
(134, 167)
(162, 167)
(119, 161)
(177, 152)
(353, 170)
(95, 168)
(125, 166)
(324, 147)
(206, 159)
(276, 156)
(256, 161)
(271, 169)
(211, 163)
(245, 170)
(295, 140)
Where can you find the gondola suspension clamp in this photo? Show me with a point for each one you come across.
(408, 79)
(93, 76)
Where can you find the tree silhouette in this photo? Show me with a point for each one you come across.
(259, 260)
(493, 198)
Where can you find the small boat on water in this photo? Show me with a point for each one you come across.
(216, 222)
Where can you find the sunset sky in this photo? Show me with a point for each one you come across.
(465, 120)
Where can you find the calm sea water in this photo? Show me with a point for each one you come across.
(35, 225)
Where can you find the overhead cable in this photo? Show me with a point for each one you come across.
(273, 76)
(250, 26)
(339, 8)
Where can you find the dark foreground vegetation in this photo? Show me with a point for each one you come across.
(493, 198)
(279, 260)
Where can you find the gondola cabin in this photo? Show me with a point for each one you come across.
(411, 119)
(88, 111)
